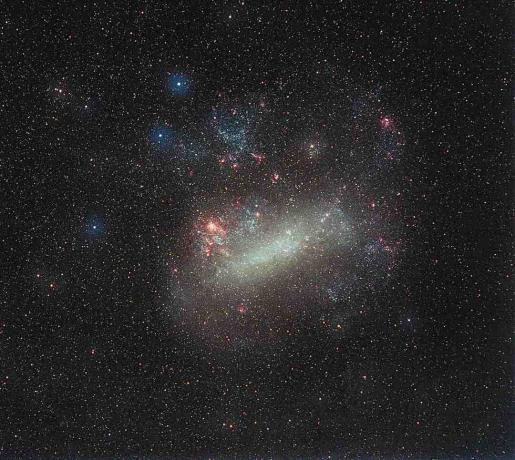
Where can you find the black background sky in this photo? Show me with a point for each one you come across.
(87, 366)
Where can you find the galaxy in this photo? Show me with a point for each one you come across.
(256, 230)
(280, 257)
(290, 232)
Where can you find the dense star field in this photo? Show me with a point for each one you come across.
(245, 230)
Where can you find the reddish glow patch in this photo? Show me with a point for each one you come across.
(212, 234)
(242, 308)
(275, 178)
(386, 122)
(229, 160)
(215, 228)
(259, 157)
(208, 248)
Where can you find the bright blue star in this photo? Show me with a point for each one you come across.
(178, 84)
(94, 226)
(161, 138)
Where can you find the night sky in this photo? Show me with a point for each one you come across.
(243, 230)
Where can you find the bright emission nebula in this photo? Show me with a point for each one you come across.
(256, 230)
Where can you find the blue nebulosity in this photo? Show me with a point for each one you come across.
(233, 128)
(358, 108)
(387, 150)
(342, 288)
(161, 138)
(188, 148)
(94, 226)
(178, 84)
(376, 256)
(250, 220)
(176, 144)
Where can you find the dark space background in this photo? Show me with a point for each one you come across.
(90, 366)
